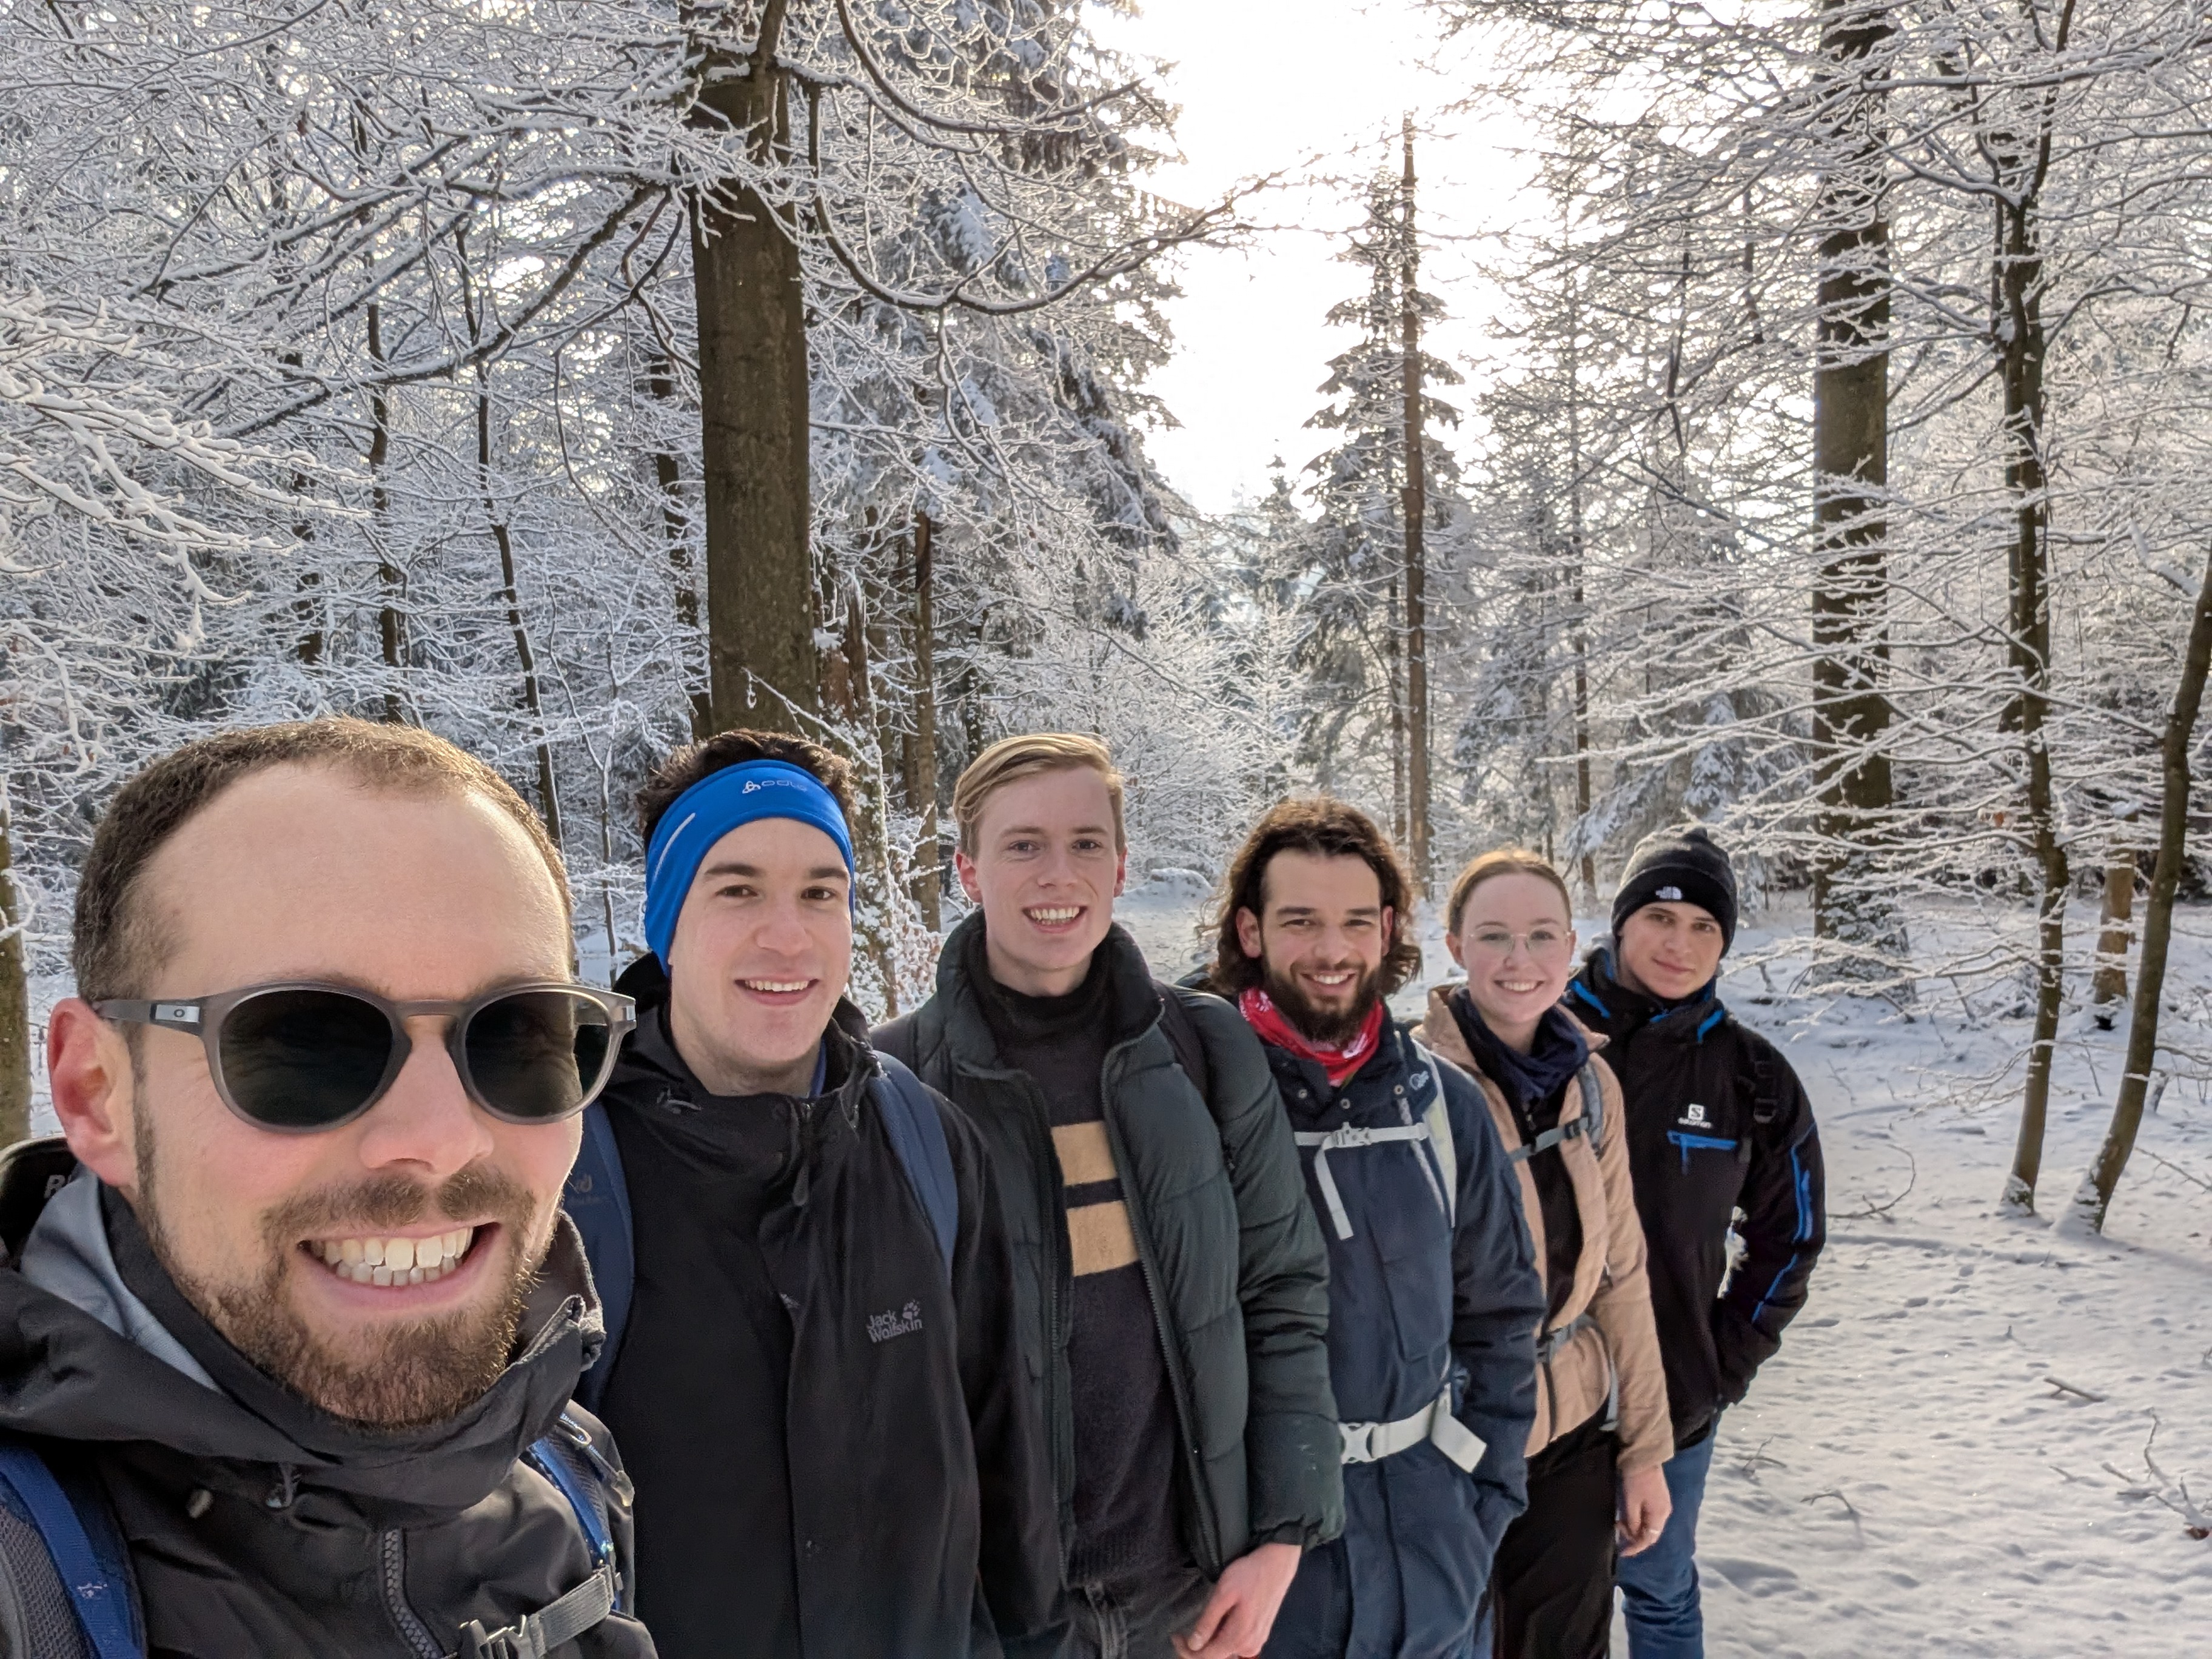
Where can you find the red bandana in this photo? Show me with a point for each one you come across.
(1263, 1016)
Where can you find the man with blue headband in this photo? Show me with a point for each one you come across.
(812, 1358)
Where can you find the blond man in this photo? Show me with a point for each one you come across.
(1175, 1293)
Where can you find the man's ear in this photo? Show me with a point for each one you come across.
(88, 1069)
(1389, 928)
(1121, 872)
(1248, 933)
(965, 867)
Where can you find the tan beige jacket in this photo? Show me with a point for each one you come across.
(1622, 1340)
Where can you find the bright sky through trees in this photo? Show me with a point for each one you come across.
(1269, 87)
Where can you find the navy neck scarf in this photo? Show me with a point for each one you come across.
(1560, 1051)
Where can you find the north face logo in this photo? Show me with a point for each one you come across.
(1694, 1116)
(882, 1327)
(1671, 895)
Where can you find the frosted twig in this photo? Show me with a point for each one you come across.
(2067, 1387)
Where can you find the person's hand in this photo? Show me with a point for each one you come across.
(1236, 1620)
(1645, 1503)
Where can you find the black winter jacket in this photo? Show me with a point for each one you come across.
(1239, 1274)
(915, 1457)
(256, 1524)
(1717, 1124)
(1417, 1303)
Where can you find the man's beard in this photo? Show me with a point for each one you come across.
(1324, 1028)
(397, 1375)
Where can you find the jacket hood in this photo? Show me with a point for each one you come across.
(92, 1332)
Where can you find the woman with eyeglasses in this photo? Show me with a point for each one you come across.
(1601, 1434)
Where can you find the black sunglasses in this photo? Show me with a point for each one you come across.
(303, 1056)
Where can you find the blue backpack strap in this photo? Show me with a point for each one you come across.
(99, 1589)
(597, 1199)
(917, 1134)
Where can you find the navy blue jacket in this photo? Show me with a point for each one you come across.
(1412, 1300)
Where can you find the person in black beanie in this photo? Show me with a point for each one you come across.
(1717, 1124)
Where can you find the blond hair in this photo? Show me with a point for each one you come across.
(1012, 758)
(1503, 861)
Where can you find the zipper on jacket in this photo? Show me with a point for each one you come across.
(1213, 1563)
(393, 1546)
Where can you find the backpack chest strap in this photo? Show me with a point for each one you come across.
(537, 1634)
(1348, 1139)
(1549, 1138)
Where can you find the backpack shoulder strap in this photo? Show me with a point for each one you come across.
(1437, 1117)
(917, 1134)
(597, 1199)
(87, 1553)
(568, 1458)
(1182, 1033)
(1593, 1105)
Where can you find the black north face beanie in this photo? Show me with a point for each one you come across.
(1682, 865)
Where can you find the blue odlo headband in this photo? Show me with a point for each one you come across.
(718, 803)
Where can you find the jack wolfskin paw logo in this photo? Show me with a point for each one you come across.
(882, 1327)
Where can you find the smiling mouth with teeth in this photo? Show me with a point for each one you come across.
(389, 1262)
(776, 987)
(1052, 915)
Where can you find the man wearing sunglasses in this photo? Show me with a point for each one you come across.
(812, 1356)
(290, 1324)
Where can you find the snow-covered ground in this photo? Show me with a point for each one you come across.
(1907, 1477)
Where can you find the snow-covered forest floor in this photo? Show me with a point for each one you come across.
(1907, 1477)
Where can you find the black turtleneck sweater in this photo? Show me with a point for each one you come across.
(696, 1401)
(1124, 1414)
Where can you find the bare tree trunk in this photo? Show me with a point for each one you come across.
(2108, 985)
(1585, 794)
(2017, 330)
(2095, 1198)
(1416, 514)
(14, 993)
(921, 754)
(753, 412)
(845, 696)
(548, 795)
(389, 575)
(1394, 669)
(1850, 446)
(675, 524)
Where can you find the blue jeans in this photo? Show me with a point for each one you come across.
(1659, 1588)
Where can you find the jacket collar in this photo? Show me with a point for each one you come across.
(1596, 995)
(1439, 1031)
(649, 1056)
(68, 1372)
(1131, 994)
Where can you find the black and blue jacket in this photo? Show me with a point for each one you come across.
(1718, 1123)
(1419, 1300)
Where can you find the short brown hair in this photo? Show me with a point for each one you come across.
(695, 761)
(1025, 756)
(115, 945)
(1503, 861)
(1326, 827)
